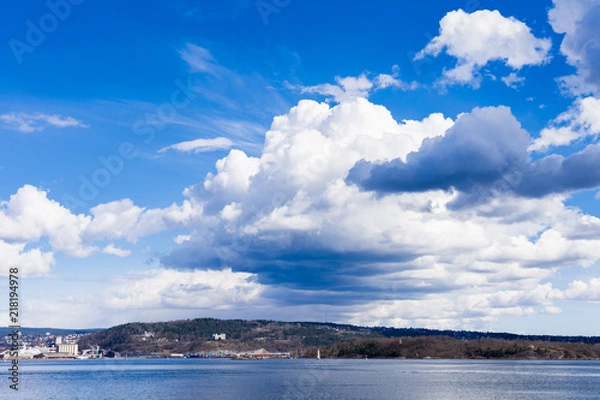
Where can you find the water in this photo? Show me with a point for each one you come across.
(304, 379)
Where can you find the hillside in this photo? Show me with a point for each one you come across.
(196, 335)
(335, 340)
(450, 348)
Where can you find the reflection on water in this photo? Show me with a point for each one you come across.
(305, 379)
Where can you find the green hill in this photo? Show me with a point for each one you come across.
(196, 335)
(334, 340)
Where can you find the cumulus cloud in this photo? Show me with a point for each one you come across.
(577, 19)
(480, 148)
(383, 81)
(31, 263)
(580, 121)
(29, 216)
(579, 290)
(443, 312)
(348, 88)
(200, 289)
(159, 294)
(289, 229)
(311, 147)
(558, 174)
(481, 37)
(115, 251)
(484, 153)
(122, 219)
(37, 122)
(512, 80)
(293, 218)
(200, 145)
(344, 89)
(180, 239)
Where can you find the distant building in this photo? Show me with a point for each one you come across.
(46, 350)
(219, 336)
(68, 348)
(58, 340)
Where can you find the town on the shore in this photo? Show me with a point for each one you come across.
(262, 339)
(64, 347)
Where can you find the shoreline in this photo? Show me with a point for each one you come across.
(20, 360)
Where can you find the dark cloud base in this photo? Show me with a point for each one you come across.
(483, 154)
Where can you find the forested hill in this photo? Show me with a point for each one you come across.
(472, 335)
(196, 335)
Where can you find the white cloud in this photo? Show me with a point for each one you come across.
(581, 120)
(348, 88)
(115, 251)
(383, 81)
(344, 89)
(552, 310)
(28, 123)
(512, 80)
(200, 60)
(462, 267)
(30, 216)
(233, 173)
(198, 289)
(159, 294)
(434, 312)
(291, 214)
(124, 220)
(481, 37)
(180, 239)
(114, 220)
(566, 14)
(30, 263)
(579, 290)
(83, 312)
(200, 145)
(577, 19)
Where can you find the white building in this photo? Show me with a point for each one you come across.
(219, 336)
(68, 348)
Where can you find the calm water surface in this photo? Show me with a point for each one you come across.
(304, 379)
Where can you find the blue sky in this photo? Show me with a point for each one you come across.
(426, 165)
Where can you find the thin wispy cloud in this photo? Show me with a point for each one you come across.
(200, 60)
(37, 122)
(200, 145)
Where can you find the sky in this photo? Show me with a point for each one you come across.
(406, 164)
